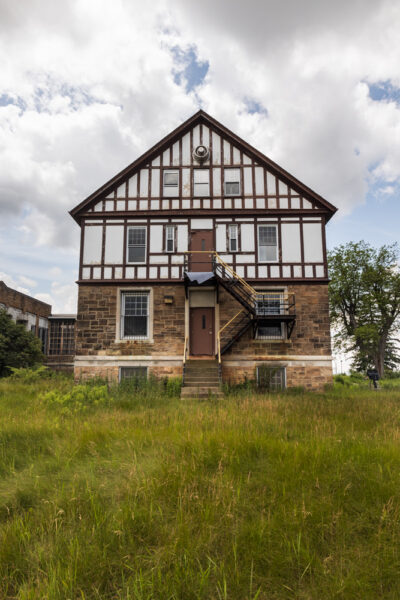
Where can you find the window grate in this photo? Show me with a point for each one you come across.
(271, 378)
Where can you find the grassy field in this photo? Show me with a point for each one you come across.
(121, 495)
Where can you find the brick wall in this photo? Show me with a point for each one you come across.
(13, 298)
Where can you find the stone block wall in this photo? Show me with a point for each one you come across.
(96, 324)
(311, 333)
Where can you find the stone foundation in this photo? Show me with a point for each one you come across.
(309, 377)
(112, 372)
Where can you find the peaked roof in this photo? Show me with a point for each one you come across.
(201, 117)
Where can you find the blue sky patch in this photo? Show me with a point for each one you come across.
(189, 68)
(252, 107)
(384, 91)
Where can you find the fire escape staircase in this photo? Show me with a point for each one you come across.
(259, 308)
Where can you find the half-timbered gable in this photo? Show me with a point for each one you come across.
(199, 199)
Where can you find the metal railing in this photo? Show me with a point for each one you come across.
(260, 303)
(221, 330)
(184, 359)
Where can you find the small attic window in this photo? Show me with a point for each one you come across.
(170, 183)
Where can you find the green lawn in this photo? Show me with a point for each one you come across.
(142, 496)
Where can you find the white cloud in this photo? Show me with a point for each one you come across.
(88, 86)
(12, 283)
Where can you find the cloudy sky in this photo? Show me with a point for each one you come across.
(88, 85)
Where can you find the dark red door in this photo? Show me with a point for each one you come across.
(202, 331)
(201, 241)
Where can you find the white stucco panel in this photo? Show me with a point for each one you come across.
(247, 237)
(312, 234)
(114, 250)
(182, 238)
(291, 248)
(92, 245)
(221, 237)
(201, 223)
(156, 238)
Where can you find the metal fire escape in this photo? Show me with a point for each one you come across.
(259, 308)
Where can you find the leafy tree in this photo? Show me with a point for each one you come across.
(365, 301)
(18, 347)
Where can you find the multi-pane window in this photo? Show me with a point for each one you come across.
(61, 337)
(265, 331)
(137, 244)
(270, 303)
(271, 378)
(201, 182)
(170, 183)
(232, 182)
(233, 238)
(132, 373)
(267, 243)
(170, 238)
(135, 315)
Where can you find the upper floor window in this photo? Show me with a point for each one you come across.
(135, 315)
(233, 238)
(270, 303)
(170, 183)
(170, 238)
(137, 240)
(267, 243)
(201, 182)
(232, 182)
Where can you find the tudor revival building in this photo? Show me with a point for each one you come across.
(204, 247)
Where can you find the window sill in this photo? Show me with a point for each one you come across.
(127, 340)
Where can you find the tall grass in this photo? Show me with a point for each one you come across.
(143, 496)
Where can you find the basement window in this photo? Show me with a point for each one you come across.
(137, 242)
(271, 378)
(132, 373)
(135, 315)
(232, 182)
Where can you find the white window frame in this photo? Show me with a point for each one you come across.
(236, 180)
(128, 245)
(131, 289)
(267, 245)
(168, 230)
(124, 295)
(170, 189)
(195, 183)
(282, 294)
(233, 226)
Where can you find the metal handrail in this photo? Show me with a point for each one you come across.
(221, 330)
(253, 295)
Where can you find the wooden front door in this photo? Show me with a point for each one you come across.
(202, 331)
(200, 242)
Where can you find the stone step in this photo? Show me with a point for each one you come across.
(198, 379)
(200, 392)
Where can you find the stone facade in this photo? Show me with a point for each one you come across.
(306, 355)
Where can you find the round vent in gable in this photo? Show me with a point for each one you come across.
(201, 153)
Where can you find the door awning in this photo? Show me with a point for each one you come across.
(198, 277)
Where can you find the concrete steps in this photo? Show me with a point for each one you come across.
(201, 379)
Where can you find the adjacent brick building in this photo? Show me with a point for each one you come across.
(204, 248)
(27, 311)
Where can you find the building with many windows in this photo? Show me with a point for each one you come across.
(204, 258)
